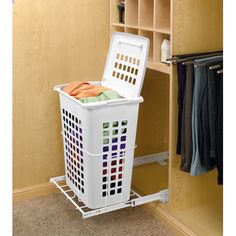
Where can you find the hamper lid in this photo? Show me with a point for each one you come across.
(126, 64)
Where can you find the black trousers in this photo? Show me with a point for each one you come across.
(219, 129)
(211, 122)
(186, 126)
(181, 70)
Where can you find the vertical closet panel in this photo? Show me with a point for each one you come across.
(197, 27)
(153, 122)
(153, 133)
(196, 202)
(55, 42)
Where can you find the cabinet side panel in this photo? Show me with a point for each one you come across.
(196, 27)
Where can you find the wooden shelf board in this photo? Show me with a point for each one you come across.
(148, 28)
(131, 26)
(163, 30)
(125, 25)
(159, 67)
(118, 24)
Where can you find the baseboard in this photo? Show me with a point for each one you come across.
(168, 220)
(33, 191)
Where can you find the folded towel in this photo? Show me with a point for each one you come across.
(86, 92)
(105, 95)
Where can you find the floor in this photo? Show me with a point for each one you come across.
(54, 215)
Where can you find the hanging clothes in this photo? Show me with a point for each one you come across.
(186, 123)
(181, 70)
(200, 114)
(212, 99)
(200, 127)
(219, 129)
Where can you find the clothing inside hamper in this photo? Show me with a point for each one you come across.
(86, 92)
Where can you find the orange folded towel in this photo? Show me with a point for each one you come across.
(74, 85)
(79, 89)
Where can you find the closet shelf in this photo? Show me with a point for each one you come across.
(163, 30)
(146, 28)
(161, 67)
(131, 26)
(125, 25)
(119, 24)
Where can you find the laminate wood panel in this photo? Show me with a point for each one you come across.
(153, 121)
(150, 178)
(202, 219)
(196, 27)
(131, 12)
(55, 42)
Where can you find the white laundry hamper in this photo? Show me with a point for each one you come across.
(99, 137)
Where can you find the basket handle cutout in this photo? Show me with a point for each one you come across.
(139, 45)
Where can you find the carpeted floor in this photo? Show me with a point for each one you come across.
(55, 216)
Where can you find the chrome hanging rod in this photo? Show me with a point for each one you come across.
(190, 59)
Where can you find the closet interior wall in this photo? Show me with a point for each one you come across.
(55, 42)
(153, 133)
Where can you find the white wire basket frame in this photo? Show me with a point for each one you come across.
(135, 198)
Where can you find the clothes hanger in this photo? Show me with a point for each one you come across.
(205, 63)
(200, 64)
(187, 63)
(184, 56)
(215, 67)
(191, 58)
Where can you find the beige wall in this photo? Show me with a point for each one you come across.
(54, 42)
(57, 42)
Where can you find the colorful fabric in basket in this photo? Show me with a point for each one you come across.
(87, 93)
(105, 95)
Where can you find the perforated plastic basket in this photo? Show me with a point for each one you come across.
(99, 137)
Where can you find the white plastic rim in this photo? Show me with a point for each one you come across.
(100, 104)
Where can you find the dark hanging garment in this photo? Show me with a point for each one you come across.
(186, 132)
(212, 98)
(219, 129)
(181, 71)
(205, 140)
(201, 146)
(207, 118)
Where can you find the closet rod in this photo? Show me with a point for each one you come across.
(174, 57)
(193, 54)
(190, 59)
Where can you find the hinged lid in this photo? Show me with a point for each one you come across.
(126, 64)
